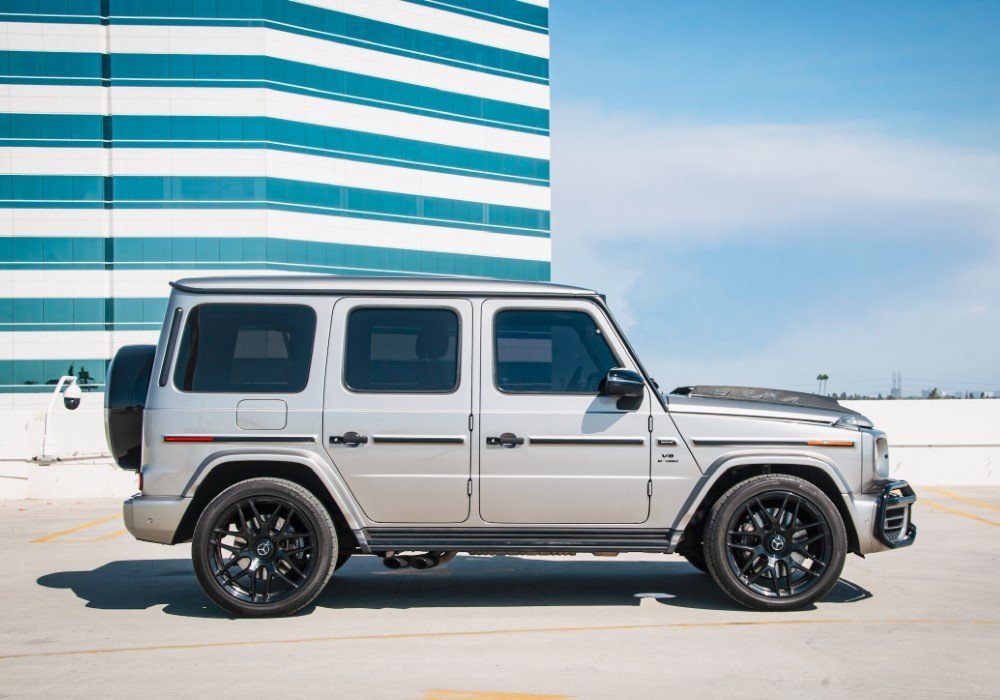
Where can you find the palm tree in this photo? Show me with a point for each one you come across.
(821, 386)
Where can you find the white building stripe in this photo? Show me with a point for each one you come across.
(231, 162)
(442, 22)
(290, 225)
(54, 99)
(148, 283)
(89, 284)
(241, 41)
(63, 345)
(91, 223)
(54, 161)
(326, 54)
(46, 36)
(25, 36)
(388, 234)
(176, 101)
(540, 3)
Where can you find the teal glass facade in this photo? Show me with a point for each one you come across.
(151, 141)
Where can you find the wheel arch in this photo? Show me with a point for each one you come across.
(222, 471)
(728, 472)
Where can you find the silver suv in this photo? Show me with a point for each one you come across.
(284, 424)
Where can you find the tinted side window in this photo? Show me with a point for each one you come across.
(246, 348)
(402, 350)
(561, 352)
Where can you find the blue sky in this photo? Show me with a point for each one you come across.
(771, 190)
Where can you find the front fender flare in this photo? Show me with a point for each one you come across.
(727, 462)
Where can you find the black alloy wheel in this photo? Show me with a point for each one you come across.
(264, 547)
(775, 542)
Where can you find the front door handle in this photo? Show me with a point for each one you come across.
(505, 440)
(350, 439)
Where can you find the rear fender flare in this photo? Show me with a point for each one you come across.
(330, 479)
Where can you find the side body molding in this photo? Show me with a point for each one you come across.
(330, 478)
(731, 461)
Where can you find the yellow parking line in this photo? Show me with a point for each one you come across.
(490, 633)
(956, 511)
(92, 523)
(963, 499)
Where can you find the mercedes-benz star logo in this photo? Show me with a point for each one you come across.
(778, 543)
(264, 549)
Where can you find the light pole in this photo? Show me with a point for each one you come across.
(71, 400)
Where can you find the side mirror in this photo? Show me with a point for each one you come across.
(627, 385)
(72, 396)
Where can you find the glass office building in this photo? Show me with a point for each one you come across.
(147, 140)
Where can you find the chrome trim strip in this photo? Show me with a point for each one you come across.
(586, 441)
(419, 439)
(665, 442)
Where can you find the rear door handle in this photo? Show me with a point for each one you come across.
(350, 439)
(505, 440)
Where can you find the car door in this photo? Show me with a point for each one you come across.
(552, 449)
(398, 403)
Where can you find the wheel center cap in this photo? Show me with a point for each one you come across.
(264, 549)
(777, 543)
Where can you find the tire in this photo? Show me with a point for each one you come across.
(775, 542)
(278, 554)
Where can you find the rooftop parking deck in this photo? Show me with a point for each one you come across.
(89, 608)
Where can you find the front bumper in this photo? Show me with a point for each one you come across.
(893, 522)
(882, 519)
(154, 519)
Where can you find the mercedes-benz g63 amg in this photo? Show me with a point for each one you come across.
(284, 424)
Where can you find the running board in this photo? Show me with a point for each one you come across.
(385, 539)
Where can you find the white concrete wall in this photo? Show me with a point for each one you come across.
(78, 435)
(939, 442)
(930, 442)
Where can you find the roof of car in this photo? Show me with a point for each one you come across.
(344, 284)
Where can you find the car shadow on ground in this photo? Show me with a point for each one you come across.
(472, 581)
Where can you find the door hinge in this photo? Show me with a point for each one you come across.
(649, 424)
(472, 422)
(468, 488)
(649, 488)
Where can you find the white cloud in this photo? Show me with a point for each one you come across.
(631, 175)
(619, 177)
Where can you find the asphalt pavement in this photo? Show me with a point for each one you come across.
(89, 611)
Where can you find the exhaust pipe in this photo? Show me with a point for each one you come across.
(428, 560)
(431, 559)
(424, 561)
(393, 562)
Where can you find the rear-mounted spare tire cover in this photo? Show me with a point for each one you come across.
(124, 400)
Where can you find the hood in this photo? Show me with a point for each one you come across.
(760, 401)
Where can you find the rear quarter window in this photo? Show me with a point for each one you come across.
(246, 349)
